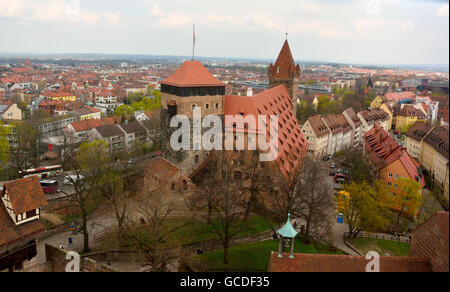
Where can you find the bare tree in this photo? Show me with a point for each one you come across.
(257, 179)
(231, 201)
(315, 204)
(150, 238)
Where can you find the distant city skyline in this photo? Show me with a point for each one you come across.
(377, 32)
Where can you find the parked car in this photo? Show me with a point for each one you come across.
(332, 173)
(326, 158)
(333, 165)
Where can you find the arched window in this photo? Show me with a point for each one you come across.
(197, 159)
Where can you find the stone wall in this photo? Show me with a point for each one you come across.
(56, 262)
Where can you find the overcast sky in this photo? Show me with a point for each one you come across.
(357, 31)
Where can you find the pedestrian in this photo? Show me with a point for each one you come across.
(61, 246)
(70, 242)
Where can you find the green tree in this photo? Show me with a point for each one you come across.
(408, 198)
(89, 168)
(4, 144)
(363, 208)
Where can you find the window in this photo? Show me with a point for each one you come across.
(396, 176)
(217, 105)
(197, 159)
(389, 184)
(207, 106)
(390, 175)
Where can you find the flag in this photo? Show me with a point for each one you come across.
(195, 38)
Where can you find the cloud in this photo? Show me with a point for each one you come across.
(54, 11)
(380, 26)
(443, 10)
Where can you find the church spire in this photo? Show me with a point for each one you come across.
(285, 66)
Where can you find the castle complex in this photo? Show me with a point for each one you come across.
(192, 86)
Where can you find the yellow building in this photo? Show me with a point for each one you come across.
(390, 112)
(414, 139)
(59, 96)
(376, 103)
(407, 117)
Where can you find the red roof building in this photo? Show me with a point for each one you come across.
(192, 74)
(20, 225)
(291, 146)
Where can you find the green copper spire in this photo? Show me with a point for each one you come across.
(288, 231)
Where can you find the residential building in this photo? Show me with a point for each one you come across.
(59, 96)
(111, 134)
(355, 123)
(376, 103)
(86, 113)
(435, 155)
(135, 135)
(10, 112)
(414, 139)
(106, 101)
(390, 111)
(372, 117)
(20, 222)
(407, 117)
(317, 134)
(393, 163)
(340, 133)
(55, 125)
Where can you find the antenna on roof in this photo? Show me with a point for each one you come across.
(287, 31)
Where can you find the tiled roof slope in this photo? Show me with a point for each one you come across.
(25, 194)
(9, 233)
(192, 74)
(430, 240)
(311, 263)
(419, 130)
(319, 127)
(292, 145)
(438, 138)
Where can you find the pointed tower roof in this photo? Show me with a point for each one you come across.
(192, 74)
(288, 231)
(285, 66)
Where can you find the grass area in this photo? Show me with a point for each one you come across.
(193, 232)
(383, 247)
(254, 257)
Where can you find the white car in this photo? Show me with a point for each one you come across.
(69, 179)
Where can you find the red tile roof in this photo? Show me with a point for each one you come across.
(10, 233)
(284, 66)
(192, 74)
(383, 151)
(162, 169)
(311, 263)
(291, 146)
(25, 194)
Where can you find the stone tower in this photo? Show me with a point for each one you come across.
(286, 72)
(191, 86)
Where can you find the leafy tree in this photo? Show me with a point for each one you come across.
(408, 198)
(363, 208)
(91, 164)
(4, 144)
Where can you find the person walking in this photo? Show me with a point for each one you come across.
(70, 242)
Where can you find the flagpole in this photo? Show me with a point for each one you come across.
(193, 43)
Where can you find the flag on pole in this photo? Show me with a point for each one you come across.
(194, 42)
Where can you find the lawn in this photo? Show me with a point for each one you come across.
(254, 257)
(383, 247)
(192, 232)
